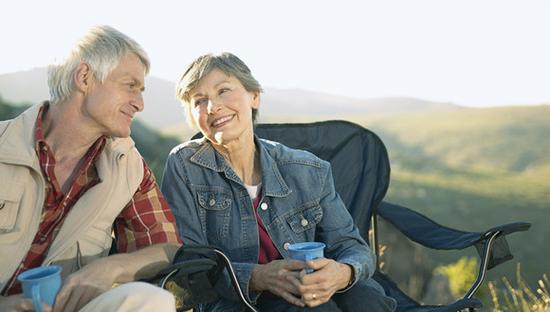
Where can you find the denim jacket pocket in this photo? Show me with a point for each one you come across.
(214, 212)
(213, 199)
(305, 217)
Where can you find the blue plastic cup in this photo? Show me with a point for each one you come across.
(306, 251)
(41, 284)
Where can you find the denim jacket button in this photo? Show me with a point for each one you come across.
(212, 202)
(304, 222)
(286, 245)
(263, 206)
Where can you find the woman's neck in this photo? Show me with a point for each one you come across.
(243, 158)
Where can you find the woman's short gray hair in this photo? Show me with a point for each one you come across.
(226, 62)
(102, 49)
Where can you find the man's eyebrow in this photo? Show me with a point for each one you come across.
(134, 80)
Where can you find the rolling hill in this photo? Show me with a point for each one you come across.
(473, 169)
(501, 138)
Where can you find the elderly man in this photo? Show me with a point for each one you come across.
(69, 172)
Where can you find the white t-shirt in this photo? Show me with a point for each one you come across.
(253, 190)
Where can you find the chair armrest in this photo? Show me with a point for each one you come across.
(491, 245)
(508, 228)
(425, 231)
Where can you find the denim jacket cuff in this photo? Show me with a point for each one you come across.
(244, 274)
(356, 274)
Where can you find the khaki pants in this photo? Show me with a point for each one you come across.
(133, 297)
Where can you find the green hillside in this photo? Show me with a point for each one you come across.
(473, 169)
(504, 138)
(494, 152)
(153, 146)
(8, 110)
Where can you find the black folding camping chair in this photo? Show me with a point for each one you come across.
(361, 171)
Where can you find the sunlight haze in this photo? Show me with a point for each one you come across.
(472, 53)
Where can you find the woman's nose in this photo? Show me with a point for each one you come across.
(213, 107)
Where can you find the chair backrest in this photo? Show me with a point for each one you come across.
(359, 160)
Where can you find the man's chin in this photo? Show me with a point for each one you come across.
(121, 134)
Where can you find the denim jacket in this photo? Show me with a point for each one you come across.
(299, 204)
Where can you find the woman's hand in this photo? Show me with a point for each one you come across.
(318, 287)
(277, 277)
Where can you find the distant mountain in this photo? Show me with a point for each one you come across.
(25, 87)
(163, 110)
(303, 102)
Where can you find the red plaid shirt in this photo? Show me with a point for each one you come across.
(146, 219)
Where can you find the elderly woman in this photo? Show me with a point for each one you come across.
(252, 198)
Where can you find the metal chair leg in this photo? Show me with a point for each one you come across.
(483, 265)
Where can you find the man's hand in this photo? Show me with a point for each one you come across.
(84, 285)
(318, 287)
(18, 303)
(275, 277)
(99, 276)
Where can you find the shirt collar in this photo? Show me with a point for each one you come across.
(38, 130)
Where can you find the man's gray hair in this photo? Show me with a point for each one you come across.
(102, 49)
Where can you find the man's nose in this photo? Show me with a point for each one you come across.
(138, 102)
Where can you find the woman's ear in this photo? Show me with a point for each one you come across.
(82, 77)
(256, 100)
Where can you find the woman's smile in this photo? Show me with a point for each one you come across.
(222, 121)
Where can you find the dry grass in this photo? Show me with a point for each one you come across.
(520, 298)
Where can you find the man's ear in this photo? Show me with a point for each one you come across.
(83, 77)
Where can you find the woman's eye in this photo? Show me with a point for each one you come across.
(199, 102)
(223, 90)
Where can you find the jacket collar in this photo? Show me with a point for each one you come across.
(17, 141)
(273, 183)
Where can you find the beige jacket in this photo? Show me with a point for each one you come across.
(22, 194)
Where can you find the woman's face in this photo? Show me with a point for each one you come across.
(222, 107)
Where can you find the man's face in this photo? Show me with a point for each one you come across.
(111, 105)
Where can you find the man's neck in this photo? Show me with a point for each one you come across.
(66, 132)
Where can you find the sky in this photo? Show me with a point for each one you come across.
(468, 52)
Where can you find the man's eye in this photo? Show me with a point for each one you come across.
(223, 90)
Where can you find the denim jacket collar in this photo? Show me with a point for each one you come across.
(273, 183)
